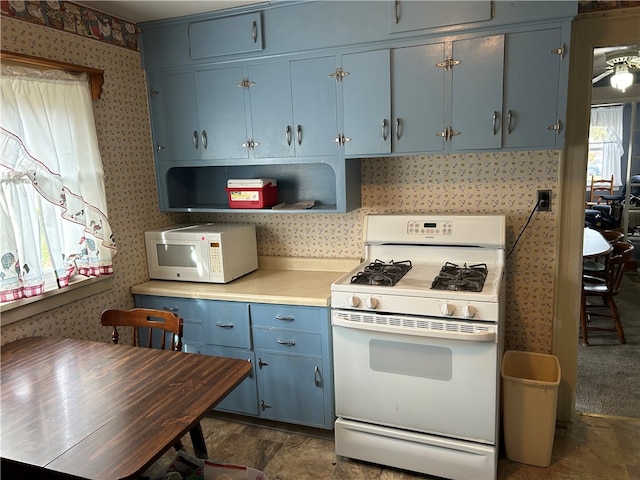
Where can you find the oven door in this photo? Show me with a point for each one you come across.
(439, 378)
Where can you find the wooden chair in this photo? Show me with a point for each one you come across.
(606, 289)
(145, 323)
(600, 186)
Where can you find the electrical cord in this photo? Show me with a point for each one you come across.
(535, 207)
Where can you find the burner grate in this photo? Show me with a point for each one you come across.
(453, 277)
(382, 273)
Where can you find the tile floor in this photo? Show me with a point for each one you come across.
(589, 448)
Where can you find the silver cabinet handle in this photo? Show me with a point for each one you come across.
(494, 121)
(384, 129)
(171, 309)
(264, 405)
(288, 134)
(317, 378)
(397, 128)
(509, 122)
(288, 343)
(397, 8)
(285, 319)
(556, 126)
(224, 325)
(159, 147)
(254, 31)
(261, 363)
(194, 137)
(204, 139)
(299, 134)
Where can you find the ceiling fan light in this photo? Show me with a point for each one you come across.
(622, 79)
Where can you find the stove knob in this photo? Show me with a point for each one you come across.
(446, 309)
(468, 311)
(353, 301)
(371, 302)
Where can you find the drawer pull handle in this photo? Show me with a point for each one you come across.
(285, 319)
(288, 343)
(224, 325)
(171, 309)
(317, 378)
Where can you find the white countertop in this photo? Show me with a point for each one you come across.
(279, 280)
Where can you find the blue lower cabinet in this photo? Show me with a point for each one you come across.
(244, 398)
(291, 388)
(289, 346)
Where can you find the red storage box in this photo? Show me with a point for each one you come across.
(252, 192)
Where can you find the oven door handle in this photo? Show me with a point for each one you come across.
(476, 336)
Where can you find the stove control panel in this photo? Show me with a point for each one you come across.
(436, 227)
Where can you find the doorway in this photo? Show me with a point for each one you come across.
(590, 31)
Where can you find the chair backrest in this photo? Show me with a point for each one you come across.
(618, 262)
(612, 236)
(600, 186)
(144, 322)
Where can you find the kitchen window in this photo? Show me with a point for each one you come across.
(55, 231)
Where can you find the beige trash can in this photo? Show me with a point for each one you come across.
(530, 395)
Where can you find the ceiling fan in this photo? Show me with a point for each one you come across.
(621, 64)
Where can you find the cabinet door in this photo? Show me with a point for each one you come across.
(225, 36)
(291, 388)
(367, 102)
(271, 110)
(174, 112)
(476, 100)
(222, 113)
(531, 88)
(244, 398)
(314, 106)
(407, 15)
(417, 98)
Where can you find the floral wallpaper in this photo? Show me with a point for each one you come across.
(72, 18)
(498, 183)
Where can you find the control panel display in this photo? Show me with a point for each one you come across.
(441, 227)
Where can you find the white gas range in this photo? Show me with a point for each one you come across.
(418, 338)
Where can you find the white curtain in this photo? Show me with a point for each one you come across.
(611, 119)
(53, 210)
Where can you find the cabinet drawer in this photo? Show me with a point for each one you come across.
(314, 319)
(192, 312)
(224, 36)
(290, 341)
(227, 324)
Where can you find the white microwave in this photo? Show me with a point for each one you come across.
(210, 252)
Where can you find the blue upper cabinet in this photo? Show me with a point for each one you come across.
(174, 114)
(417, 98)
(408, 15)
(314, 106)
(225, 36)
(293, 108)
(531, 114)
(221, 109)
(476, 67)
(366, 87)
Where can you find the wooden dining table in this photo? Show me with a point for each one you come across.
(78, 409)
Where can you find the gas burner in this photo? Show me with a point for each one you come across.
(381, 273)
(453, 277)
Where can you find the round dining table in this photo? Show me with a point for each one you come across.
(594, 244)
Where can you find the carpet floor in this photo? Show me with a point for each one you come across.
(608, 380)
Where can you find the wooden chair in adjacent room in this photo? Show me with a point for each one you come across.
(153, 328)
(600, 187)
(605, 289)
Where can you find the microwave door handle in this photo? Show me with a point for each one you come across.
(465, 336)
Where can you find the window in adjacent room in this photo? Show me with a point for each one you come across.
(605, 143)
(53, 213)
